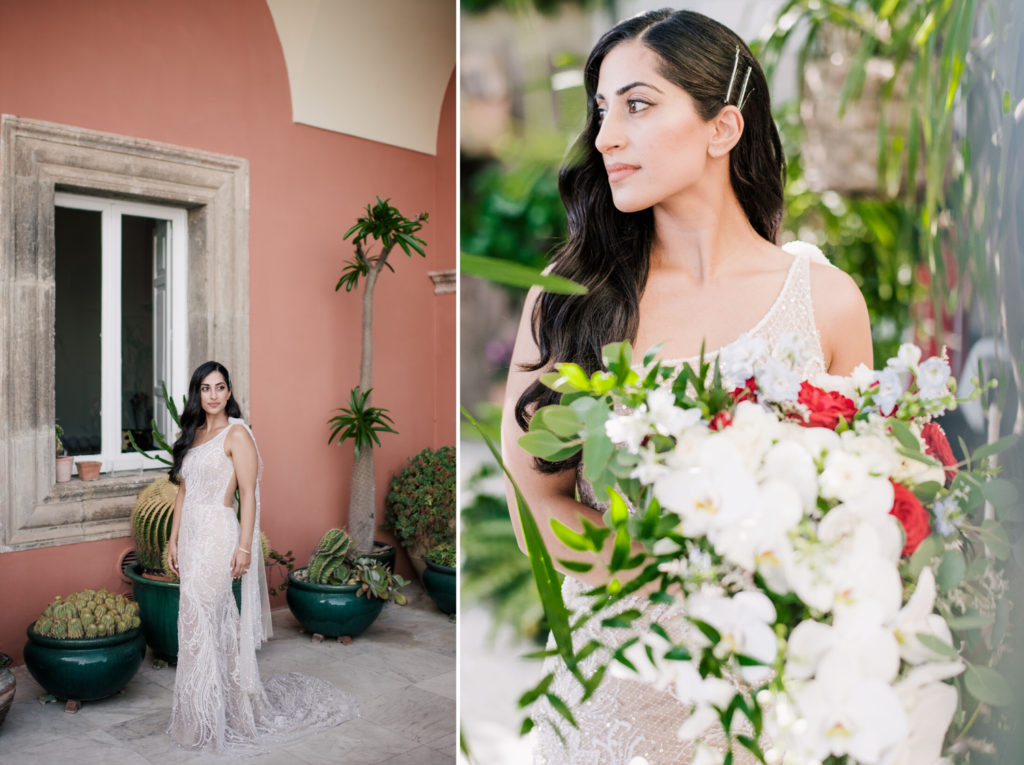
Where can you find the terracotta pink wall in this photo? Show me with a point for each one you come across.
(212, 76)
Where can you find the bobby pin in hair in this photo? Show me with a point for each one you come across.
(743, 90)
(735, 66)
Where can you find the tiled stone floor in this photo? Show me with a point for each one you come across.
(401, 672)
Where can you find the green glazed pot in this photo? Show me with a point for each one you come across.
(331, 609)
(439, 582)
(85, 669)
(158, 610)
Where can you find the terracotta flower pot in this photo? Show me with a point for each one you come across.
(64, 465)
(88, 470)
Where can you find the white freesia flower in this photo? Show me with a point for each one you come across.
(710, 497)
(906, 359)
(932, 377)
(649, 469)
(737, 361)
(752, 432)
(792, 349)
(777, 381)
(744, 623)
(930, 705)
(862, 377)
(889, 389)
(667, 418)
(686, 453)
(836, 384)
(627, 429)
(917, 618)
(847, 713)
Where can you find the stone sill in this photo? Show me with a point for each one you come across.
(77, 490)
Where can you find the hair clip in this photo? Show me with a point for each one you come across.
(743, 91)
(732, 80)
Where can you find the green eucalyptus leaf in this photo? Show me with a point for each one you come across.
(560, 420)
(923, 555)
(969, 622)
(940, 647)
(989, 450)
(542, 443)
(988, 686)
(951, 570)
(1000, 492)
(904, 436)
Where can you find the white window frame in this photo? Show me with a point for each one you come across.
(112, 210)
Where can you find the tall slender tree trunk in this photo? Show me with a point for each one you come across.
(362, 506)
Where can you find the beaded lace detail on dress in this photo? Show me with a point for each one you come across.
(627, 718)
(220, 706)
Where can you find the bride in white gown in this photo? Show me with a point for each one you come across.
(674, 194)
(220, 705)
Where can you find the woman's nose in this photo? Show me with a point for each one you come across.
(610, 136)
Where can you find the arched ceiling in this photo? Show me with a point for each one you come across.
(376, 69)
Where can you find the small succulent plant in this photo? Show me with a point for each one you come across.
(443, 555)
(332, 563)
(377, 581)
(88, 614)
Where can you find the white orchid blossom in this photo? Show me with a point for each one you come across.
(917, 618)
(744, 624)
(708, 695)
(930, 705)
(629, 430)
(667, 418)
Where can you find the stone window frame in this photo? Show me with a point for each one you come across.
(38, 159)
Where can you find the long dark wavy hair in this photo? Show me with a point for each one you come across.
(608, 251)
(194, 416)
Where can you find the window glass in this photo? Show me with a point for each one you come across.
(137, 389)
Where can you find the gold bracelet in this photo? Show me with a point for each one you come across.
(244, 550)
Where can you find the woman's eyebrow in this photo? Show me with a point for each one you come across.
(626, 88)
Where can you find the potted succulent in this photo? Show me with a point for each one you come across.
(8, 686)
(421, 504)
(327, 596)
(359, 421)
(64, 461)
(439, 577)
(85, 646)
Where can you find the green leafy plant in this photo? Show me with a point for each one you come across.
(361, 422)
(421, 503)
(443, 555)
(158, 437)
(377, 582)
(88, 614)
(275, 560)
(494, 570)
(60, 444)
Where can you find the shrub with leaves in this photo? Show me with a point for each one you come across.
(443, 555)
(421, 503)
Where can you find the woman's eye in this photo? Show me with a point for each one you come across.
(601, 111)
(636, 105)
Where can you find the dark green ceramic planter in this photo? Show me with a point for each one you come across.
(86, 669)
(331, 610)
(384, 554)
(158, 610)
(439, 582)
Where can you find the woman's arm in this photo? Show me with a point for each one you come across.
(549, 496)
(841, 316)
(172, 540)
(239, 447)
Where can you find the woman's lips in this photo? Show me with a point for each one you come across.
(619, 171)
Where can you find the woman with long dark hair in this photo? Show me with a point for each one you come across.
(220, 705)
(674, 195)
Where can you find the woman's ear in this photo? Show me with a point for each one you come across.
(727, 127)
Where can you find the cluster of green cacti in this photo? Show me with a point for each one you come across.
(151, 526)
(60, 444)
(88, 614)
(328, 563)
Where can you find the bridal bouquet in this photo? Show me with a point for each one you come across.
(842, 578)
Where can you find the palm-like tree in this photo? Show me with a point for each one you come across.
(360, 421)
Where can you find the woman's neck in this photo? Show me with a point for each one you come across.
(702, 231)
(215, 421)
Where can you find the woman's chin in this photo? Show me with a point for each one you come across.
(629, 203)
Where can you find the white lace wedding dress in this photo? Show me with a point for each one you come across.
(625, 718)
(220, 705)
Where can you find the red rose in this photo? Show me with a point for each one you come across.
(721, 420)
(937, 446)
(747, 392)
(912, 516)
(826, 408)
